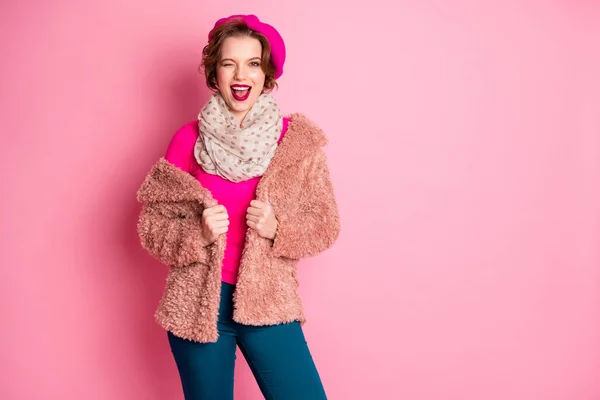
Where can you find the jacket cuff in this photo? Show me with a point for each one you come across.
(192, 250)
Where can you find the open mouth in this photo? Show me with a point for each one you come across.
(240, 92)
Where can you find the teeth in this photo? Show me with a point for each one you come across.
(240, 88)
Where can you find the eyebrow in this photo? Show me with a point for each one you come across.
(231, 59)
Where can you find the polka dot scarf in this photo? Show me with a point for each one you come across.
(238, 153)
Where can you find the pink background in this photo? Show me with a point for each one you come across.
(465, 156)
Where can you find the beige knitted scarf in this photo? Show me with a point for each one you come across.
(234, 151)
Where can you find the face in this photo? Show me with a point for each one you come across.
(240, 79)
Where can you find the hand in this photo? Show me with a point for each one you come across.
(215, 222)
(261, 217)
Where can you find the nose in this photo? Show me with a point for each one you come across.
(240, 73)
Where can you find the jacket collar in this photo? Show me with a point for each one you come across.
(166, 182)
(302, 139)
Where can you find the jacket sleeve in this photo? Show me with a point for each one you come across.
(171, 235)
(316, 225)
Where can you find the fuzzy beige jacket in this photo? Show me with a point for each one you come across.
(298, 186)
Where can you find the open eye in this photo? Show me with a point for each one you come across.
(255, 64)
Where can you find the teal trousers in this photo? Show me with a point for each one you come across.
(278, 356)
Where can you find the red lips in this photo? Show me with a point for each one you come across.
(240, 92)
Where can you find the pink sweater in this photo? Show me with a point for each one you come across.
(235, 197)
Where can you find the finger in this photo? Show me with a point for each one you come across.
(215, 230)
(219, 224)
(218, 208)
(214, 210)
(254, 211)
(254, 224)
(220, 231)
(252, 218)
(257, 203)
(212, 227)
(217, 217)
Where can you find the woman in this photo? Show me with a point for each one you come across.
(240, 197)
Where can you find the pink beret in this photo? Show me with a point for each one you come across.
(274, 38)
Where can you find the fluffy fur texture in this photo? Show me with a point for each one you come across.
(298, 186)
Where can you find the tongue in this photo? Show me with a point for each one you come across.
(240, 93)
